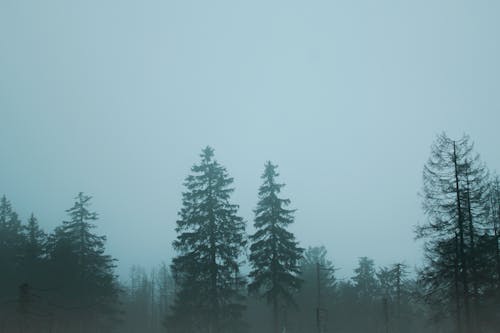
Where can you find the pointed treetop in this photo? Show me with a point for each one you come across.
(207, 154)
(270, 171)
(32, 219)
(4, 200)
(5, 210)
(5, 204)
(80, 207)
(270, 186)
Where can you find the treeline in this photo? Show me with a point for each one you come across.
(372, 300)
(225, 280)
(58, 282)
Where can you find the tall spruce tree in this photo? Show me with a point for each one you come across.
(210, 242)
(274, 253)
(82, 272)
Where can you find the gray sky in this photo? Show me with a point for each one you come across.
(117, 99)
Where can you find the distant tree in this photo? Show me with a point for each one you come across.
(274, 253)
(395, 288)
(317, 293)
(166, 291)
(315, 260)
(9, 220)
(210, 242)
(346, 313)
(493, 224)
(11, 242)
(35, 240)
(392, 281)
(139, 303)
(146, 299)
(386, 280)
(400, 275)
(33, 254)
(368, 305)
(365, 280)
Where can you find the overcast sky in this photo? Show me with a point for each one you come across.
(117, 99)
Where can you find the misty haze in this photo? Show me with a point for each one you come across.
(261, 166)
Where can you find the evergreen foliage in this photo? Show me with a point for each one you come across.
(85, 281)
(274, 253)
(210, 243)
(11, 243)
(365, 280)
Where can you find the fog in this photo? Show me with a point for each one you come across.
(117, 99)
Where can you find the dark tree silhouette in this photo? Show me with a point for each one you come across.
(11, 243)
(275, 255)
(365, 280)
(453, 200)
(81, 271)
(318, 290)
(210, 242)
(35, 240)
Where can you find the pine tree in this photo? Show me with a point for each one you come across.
(361, 297)
(33, 254)
(82, 270)
(35, 239)
(313, 257)
(11, 242)
(365, 280)
(274, 254)
(210, 242)
(10, 227)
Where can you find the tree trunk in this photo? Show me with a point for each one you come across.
(465, 282)
(473, 256)
(458, 308)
